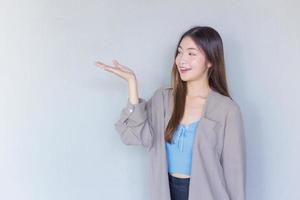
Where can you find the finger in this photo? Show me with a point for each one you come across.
(116, 63)
(99, 64)
(108, 68)
(121, 66)
(102, 65)
(115, 71)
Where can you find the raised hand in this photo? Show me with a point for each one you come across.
(118, 69)
(125, 73)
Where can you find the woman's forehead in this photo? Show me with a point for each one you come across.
(188, 43)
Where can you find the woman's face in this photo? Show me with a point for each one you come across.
(191, 61)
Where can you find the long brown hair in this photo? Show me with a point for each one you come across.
(209, 40)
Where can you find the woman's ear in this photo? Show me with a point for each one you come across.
(208, 64)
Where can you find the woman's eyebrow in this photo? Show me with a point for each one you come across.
(189, 48)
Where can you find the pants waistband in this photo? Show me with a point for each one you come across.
(174, 179)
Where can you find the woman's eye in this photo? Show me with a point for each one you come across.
(191, 54)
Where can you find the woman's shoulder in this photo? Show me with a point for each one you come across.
(228, 103)
(161, 93)
(166, 90)
(163, 89)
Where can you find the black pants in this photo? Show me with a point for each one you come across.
(179, 188)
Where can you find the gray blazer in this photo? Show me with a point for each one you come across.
(219, 150)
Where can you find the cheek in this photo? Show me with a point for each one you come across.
(199, 65)
(197, 62)
(177, 61)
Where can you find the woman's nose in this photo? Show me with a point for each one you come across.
(183, 61)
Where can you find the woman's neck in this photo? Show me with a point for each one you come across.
(198, 88)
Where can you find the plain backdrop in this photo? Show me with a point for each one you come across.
(57, 109)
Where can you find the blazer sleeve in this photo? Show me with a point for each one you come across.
(233, 158)
(135, 122)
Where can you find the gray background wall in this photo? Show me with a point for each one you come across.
(57, 110)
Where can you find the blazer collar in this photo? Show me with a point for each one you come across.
(210, 103)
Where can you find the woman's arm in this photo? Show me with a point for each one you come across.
(135, 123)
(233, 158)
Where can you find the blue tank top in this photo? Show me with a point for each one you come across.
(179, 153)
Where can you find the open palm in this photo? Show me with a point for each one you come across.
(118, 69)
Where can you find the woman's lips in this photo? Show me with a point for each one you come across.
(185, 70)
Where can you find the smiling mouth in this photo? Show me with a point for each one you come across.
(183, 70)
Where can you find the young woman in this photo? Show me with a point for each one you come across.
(192, 130)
